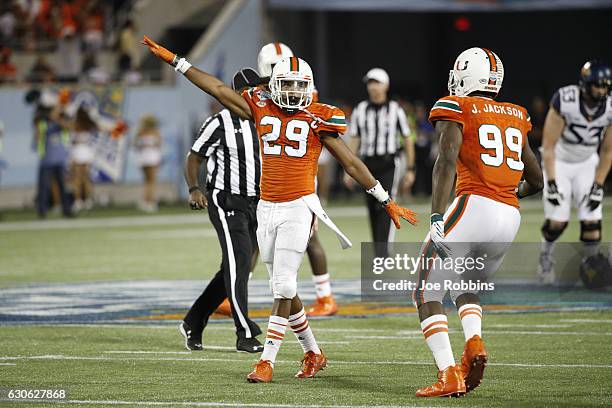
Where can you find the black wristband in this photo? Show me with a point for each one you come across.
(194, 188)
(412, 168)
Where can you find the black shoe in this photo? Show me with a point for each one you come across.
(251, 345)
(192, 341)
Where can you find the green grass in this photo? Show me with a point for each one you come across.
(382, 367)
(568, 369)
(187, 250)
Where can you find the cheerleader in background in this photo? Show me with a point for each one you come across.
(83, 129)
(149, 156)
(82, 152)
(83, 119)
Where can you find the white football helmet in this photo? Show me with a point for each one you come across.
(291, 84)
(269, 55)
(476, 69)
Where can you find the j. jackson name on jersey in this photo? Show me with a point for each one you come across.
(503, 110)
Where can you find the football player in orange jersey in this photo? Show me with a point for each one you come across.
(325, 304)
(292, 132)
(484, 142)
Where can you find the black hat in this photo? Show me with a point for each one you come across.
(246, 78)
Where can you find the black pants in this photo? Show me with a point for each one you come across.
(383, 168)
(235, 220)
(46, 175)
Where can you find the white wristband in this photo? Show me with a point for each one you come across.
(379, 192)
(182, 66)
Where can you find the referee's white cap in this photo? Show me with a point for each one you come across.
(377, 74)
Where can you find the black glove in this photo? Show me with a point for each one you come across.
(595, 196)
(552, 193)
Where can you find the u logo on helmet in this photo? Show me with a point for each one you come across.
(291, 84)
(465, 66)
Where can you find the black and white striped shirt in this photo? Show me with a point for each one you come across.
(377, 127)
(231, 146)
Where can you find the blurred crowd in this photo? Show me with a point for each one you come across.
(76, 30)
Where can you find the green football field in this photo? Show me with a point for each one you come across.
(92, 305)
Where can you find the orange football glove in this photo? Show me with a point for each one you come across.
(396, 212)
(159, 51)
(64, 96)
(120, 128)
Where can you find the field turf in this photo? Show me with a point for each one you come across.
(553, 359)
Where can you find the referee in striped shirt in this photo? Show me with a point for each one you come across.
(230, 147)
(375, 124)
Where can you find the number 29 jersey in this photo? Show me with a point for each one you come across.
(290, 144)
(494, 133)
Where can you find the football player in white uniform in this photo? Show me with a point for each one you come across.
(577, 124)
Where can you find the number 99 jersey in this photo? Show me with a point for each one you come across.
(582, 133)
(494, 133)
(290, 144)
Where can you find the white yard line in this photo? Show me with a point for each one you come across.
(532, 326)
(142, 220)
(410, 334)
(607, 321)
(211, 404)
(406, 337)
(332, 362)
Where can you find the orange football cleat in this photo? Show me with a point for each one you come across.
(224, 308)
(450, 384)
(473, 362)
(323, 306)
(261, 373)
(311, 364)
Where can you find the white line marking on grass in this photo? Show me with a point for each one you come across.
(213, 404)
(540, 333)
(387, 337)
(532, 326)
(8, 364)
(162, 234)
(609, 321)
(332, 362)
(141, 220)
(150, 352)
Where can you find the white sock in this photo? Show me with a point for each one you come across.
(303, 332)
(274, 337)
(547, 247)
(471, 320)
(435, 329)
(322, 285)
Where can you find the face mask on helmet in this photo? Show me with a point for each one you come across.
(596, 80)
(291, 84)
(291, 93)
